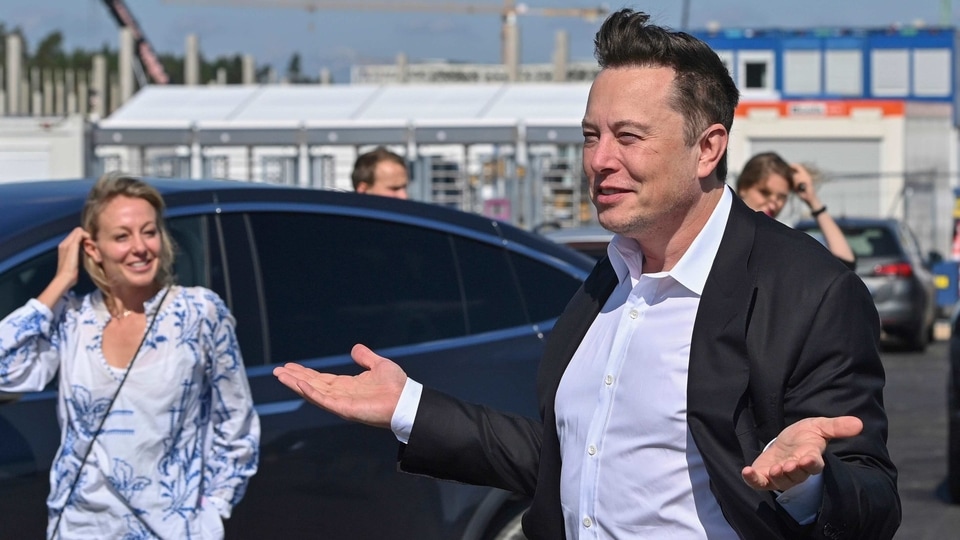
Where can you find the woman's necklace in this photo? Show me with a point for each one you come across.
(124, 313)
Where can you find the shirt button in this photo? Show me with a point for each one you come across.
(634, 314)
(592, 450)
(608, 380)
(587, 522)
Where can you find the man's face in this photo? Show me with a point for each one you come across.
(643, 175)
(389, 180)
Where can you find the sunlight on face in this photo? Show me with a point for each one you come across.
(128, 243)
(643, 175)
(767, 196)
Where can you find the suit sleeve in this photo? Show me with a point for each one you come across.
(473, 444)
(839, 372)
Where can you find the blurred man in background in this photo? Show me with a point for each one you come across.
(380, 172)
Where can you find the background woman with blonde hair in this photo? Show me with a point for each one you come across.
(159, 437)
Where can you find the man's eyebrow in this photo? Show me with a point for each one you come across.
(618, 125)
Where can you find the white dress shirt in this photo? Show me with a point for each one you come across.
(630, 465)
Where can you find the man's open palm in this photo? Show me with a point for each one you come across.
(797, 453)
(369, 398)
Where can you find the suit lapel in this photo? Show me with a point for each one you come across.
(570, 329)
(719, 409)
(719, 370)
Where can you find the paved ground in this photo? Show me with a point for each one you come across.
(916, 404)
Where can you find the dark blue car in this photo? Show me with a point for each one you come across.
(460, 301)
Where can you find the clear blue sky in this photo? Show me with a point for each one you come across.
(338, 39)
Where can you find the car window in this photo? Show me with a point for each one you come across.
(866, 241)
(332, 281)
(492, 294)
(191, 242)
(546, 289)
(29, 278)
(873, 242)
(238, 282)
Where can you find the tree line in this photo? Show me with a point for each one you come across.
(49, 53)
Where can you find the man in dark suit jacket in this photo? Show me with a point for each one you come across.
(775, 347)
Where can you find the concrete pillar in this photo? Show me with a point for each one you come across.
(191, 61)
(83, 96)
(36, 92)
(25, 98)
(48, 92)
(221, 76)
(98, 88)
(70, 86)
(511, 47)
(114, 94)
(325, 77)
(561, 53)
(125, 65)
(59, 94)
(403, 68)
(249, 70)
(14, 72)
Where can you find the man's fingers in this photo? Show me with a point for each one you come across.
(364, 357)
(291, 374)
(841, 427)
(753, 478)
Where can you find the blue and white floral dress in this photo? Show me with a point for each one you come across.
(181, 441)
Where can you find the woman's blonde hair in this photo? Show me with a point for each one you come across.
(104, 190)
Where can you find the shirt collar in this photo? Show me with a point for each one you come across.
(694, 265)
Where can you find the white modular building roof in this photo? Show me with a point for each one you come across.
(347, 114)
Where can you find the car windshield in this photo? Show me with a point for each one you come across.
(866, 241)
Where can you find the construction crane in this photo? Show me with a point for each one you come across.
(147, 58)
(509, 11)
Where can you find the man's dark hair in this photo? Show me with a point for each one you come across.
(704, 92)
(365, 167)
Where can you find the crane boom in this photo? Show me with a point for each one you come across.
(148, 59)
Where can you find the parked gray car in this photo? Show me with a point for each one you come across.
(891, 264)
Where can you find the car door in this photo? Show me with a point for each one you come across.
(446, 304)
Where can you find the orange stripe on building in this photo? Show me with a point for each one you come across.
(821, 108)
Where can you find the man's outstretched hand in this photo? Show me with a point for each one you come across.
(369, 398)
(797, 453)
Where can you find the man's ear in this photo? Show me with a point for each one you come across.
(92, 251)
(362, 187)
(713, 144)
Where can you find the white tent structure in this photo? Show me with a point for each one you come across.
(480, 147)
